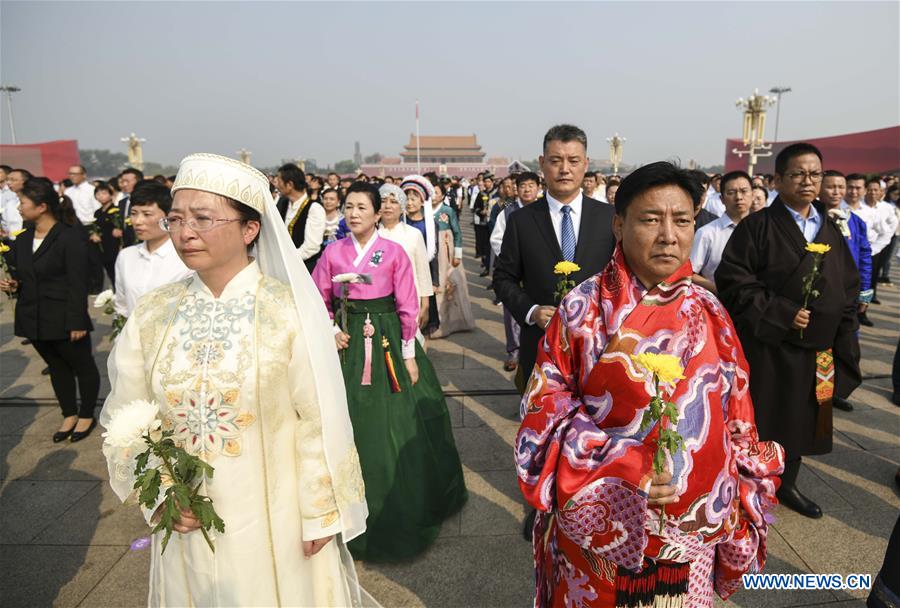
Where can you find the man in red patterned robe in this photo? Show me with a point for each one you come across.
(585, 463)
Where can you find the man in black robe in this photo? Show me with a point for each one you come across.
(799, 357)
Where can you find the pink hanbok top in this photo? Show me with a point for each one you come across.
(386, 262)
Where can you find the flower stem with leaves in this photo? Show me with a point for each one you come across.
(666, 369)
(185, 474)
(818, 250)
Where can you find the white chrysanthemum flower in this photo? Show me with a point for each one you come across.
(104, 298)
(129, 424)
(346, 277)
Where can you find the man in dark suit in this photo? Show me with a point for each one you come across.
(128, 179)
(561, 225)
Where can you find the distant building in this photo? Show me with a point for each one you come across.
(453, 155)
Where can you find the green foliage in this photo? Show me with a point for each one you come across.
(186, 473)
(345, 166)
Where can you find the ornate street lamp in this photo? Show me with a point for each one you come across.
(754, 127)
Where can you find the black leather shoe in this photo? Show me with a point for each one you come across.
(62, 435)
(45, 371)
(875, 301)
(76, 436)
(842, 404)
(794, 500)
(528, 525)
(864, 320)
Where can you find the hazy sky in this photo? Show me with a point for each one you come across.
(308, 79)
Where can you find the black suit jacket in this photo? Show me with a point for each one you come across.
(128, 237)
(53, 287)
(523, 274)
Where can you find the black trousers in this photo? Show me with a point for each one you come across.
(482, 243)
(878, 261)
(69, 361)
(95, 268)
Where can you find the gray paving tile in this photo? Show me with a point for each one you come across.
(36, 575)
(491, 410)
(863, 479)
(16, 419)
(125, 585)
(36, 457)
(494, 572)
(495, 506)
(110, 522)
(484, 449)
(27, 507)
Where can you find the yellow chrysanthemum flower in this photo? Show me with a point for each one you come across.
(4, 248)
(566, 268)
(18, 232)
(128, 221)
(666, 367)
(113, 210)
(820, 248)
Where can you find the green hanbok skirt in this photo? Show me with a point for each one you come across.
(409, 462)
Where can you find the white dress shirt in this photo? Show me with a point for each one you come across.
(714, 204)
(84, 202)
(500, 230)
(556, 219)
(709, 243)
(881, 222)
(10, 218)
(139, 272)
(314, 233)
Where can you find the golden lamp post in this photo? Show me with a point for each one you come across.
(616, 144)
(135, 151)
(754, 127)
(244, 155)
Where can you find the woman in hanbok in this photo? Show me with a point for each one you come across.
(409, 461)
(419, 193)
(233, 358)
(393, 228)
(452, 294)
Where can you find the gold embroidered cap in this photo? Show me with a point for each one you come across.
(224, 176)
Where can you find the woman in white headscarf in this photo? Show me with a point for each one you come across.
(234, 358)
(394, 228)
(420, 215)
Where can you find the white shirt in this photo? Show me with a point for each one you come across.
(714, 204)
(139, 272)
(709, 243)
(881, 222)
(500, 230)
(84, 202)
(10, 218)
(556, 219)
(314, 232)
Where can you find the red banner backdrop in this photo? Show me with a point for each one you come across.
(865, 152)
(50, 159)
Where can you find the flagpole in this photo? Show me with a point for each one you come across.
(418, 153)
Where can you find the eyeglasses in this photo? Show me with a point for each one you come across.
(801, 176)
(744, 191)
(200, 224)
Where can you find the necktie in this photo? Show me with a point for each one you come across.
(568, 234)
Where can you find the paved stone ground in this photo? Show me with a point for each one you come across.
(65, 540)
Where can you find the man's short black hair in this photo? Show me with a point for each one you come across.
(793, 151)
(292, 174)
(5, 168)
(701, 177)
(651, 176)
(565, 134)
(151, 192)
(733, 175)
(834, 173)
(26, 174)
(873, 180)
(856, 177)
(137, 173)
(590, 174)
(527, 176)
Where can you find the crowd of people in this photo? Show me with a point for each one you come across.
(230, 286)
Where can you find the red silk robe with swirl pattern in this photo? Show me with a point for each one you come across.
(585, 464)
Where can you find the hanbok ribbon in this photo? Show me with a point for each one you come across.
(389, 365)
(368, 332)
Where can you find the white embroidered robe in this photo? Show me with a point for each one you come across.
(235, 386)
